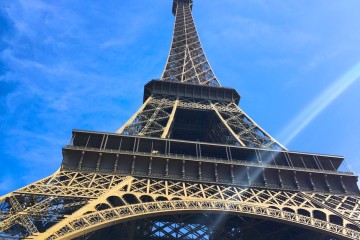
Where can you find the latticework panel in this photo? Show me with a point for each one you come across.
(82, 200)
(156, 117)
(151, 119)
(187, 61)
(244, 128)
(110, 199)
(205, 226)
(38, 206)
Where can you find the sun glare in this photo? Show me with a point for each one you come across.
(319, 104)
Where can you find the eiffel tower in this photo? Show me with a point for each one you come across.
(189, 164)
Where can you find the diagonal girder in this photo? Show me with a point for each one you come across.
(74, 203)
(164, 196)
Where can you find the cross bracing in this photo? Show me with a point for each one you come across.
(204, 226)
(187, 62)
(128, 197)
(189, 164)
(157, 118)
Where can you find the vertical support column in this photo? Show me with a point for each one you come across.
(232, 174)
(98, 162)
(150, 166)
(216, 173)
(296, 181)
(116, 162)
(264, 177)
(81, 160)
(167, 168)
(227, 126)
(327, 182)
(133, 165)
(280, 179)
(248, 175)
(183, 169)
(342, 184)
(200, 173)
(312, 182)
(165, 134)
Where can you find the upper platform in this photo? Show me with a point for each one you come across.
(179, 89)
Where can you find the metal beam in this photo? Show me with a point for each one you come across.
(170, 121)
(134, 116)
(227, 126)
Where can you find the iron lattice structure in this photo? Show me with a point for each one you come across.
(189, 164)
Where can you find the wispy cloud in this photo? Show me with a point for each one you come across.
(77, 64)
(57, 80)
(111, 43)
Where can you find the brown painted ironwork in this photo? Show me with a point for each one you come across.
(189, 164)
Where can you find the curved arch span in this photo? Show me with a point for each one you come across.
(101, 219)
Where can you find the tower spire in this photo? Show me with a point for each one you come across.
(175, 4)
(187, 62)
(188, 158)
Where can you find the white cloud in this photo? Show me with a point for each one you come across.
(111, 43)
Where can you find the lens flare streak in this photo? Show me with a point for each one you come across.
(319, 104)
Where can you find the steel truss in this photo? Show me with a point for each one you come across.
(187, 61)
(97, 188)
(96, 200)
(203, 227)
(155, 118)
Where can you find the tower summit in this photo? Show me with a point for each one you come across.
(188, 79)
(189, 164)
(187, 62)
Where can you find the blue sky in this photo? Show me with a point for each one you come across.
(82, 65)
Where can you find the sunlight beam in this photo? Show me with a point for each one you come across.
(319, 104)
